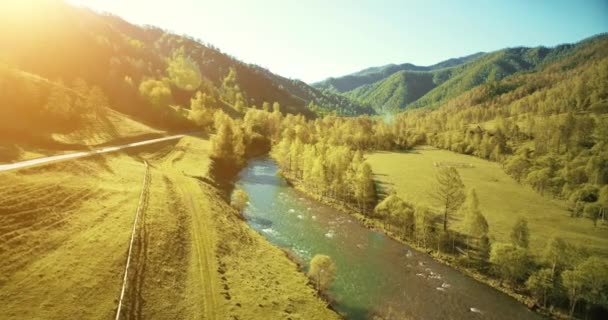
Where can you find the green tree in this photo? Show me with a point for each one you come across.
(592, 212)
(449, 192)
(322, 272)
(239, 200)
(475, 223)
(230, 86)
(520, 234)
(540, 284)
(588, 281)
(158, 93)
(510, 262)
(222, 142)
(555, 255)
(239, 145)
(202, 108)
(365, 190)
(183, 71)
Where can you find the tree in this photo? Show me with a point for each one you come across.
(449, 192)
(202, 109)
(222, 143)
(475, 223)
(322, 272)
(574, 282)
(425, 220)
(393, 209)
(510, 262)
(365, 190)
(183, 71)
(595, 272)
(540, 285)
(592, 212)
(588, 281)
(318, 176)
(520, 234)
(239, 201)
(239, 146)
(266, 106)
(555, 255)
(276, 107)
(158, 93)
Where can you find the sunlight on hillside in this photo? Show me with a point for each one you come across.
(161, 160)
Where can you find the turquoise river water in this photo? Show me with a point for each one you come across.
(375, 274)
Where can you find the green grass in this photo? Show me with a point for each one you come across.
(502, 199)
(65, 229)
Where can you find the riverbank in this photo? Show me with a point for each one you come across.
(378, 225)
(280, 288)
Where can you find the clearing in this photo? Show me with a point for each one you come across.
(502, 199)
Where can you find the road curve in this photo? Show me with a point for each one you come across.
(69, 156)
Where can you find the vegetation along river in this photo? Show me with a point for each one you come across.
(374, 272)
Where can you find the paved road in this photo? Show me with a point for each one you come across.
(69, 156)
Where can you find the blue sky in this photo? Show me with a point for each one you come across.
(316, 39)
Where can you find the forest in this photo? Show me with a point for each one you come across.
(546, 129)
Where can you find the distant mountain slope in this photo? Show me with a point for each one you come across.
(490, 68)
(370, 75)
(392, 88)
(323, 101)
(399, 89)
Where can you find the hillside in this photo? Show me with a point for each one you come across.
(320, 100)
(370, 75)
(144, 72)
(393, 88)
(399, 89)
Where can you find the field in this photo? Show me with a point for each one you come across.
(65, 230)
(502, 199)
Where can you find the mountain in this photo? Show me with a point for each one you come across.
(320, 100)
(143, 72)
(393, 88)
(370, 75)
(399, 89)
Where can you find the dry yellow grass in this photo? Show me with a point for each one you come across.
(65, 228)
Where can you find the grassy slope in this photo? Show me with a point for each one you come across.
(501, 198)
(107, 127)
(65, 230)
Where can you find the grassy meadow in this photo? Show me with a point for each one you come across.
(65, 228)
(412, 175)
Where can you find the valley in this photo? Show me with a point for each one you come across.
(145, 173)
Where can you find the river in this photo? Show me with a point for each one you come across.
(374, 273)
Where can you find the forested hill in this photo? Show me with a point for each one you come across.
(145, 72)
(431, 87)
(321, 101)
(370, 75)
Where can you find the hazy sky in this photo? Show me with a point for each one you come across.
(314, 39)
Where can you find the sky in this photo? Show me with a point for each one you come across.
(315, 39)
